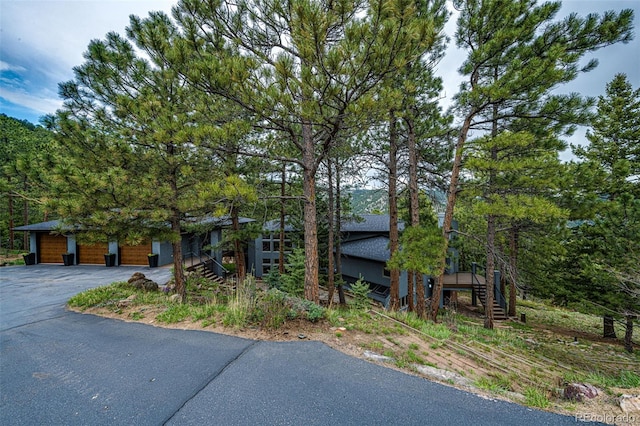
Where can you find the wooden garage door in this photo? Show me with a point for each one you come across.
(51, 248)
(93, 253)
(135, 255)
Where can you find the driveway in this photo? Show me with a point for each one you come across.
(60, 367)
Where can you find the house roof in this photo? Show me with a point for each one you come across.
(56, 224)
(221, 221)
(369, 223)
(42, 226)
(374, 248)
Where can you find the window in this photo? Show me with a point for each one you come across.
(266, 245)
(386, 273)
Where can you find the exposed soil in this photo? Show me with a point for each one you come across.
(455, 363)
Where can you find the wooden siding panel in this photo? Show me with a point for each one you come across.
(51, 248)
(92, 254)
(135, 255)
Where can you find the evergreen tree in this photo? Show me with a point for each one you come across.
(23, 147)
(306, 69)
(137, 146)
(516, 177)
(516, 55)
(603, 250)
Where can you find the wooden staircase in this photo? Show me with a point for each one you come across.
(480, 288)
(205, 270)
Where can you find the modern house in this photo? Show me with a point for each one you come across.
(51, 240)
(364, 254)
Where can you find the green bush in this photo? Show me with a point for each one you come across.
(273, 278)
(271, 310)
(293, 279)
(360, 290)
(101, 296)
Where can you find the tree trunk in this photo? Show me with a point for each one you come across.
(608, 325)
(341, 297)
(178, 270)
(394, 301)
(331, 277)
(238, 251)
(488, 305)
(414, 210)
(448, 213)
(283, 176)
(491, 222)
(513, 265)
(311, 263)
(628, 334)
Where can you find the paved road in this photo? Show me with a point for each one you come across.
(59, 367)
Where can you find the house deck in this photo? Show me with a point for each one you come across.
(461, 280)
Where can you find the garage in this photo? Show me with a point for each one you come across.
(92, 253)
(135, 255)
(51, 248)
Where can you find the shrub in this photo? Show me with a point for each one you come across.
(360, 290)
(534, 397)
(273, 278)
(271, 310)
(293, 279)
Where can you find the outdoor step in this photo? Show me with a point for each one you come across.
(205, 272)
(498, 312)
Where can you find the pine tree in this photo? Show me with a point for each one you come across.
(306, 70)
(604, 247)
(137, 147)
(516, 55)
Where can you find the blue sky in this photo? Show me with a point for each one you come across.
(41, 42)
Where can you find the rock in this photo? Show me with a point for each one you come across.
(144, 284)
(136, 276)
(175, 298)
(126, 302)
(443, 375)
(629, 403)
(580, 391)
(377, 357)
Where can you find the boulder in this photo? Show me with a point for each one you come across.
(139, 281)
(124, 303)
(629, 403)
(580, 391)
(136, 276)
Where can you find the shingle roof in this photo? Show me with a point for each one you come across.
(42, 226)
(55, 224)
(370, 223)
(375, 248)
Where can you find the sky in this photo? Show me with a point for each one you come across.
(42, 40)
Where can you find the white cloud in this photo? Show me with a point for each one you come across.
(45, 102)
(41, 42)
(8, 67)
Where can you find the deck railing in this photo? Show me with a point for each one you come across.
(497, 294)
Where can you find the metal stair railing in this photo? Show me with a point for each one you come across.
(497, 294)
(208, 259)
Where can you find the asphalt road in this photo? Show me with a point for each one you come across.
(58, 367)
